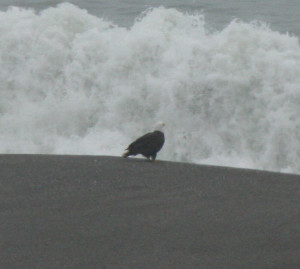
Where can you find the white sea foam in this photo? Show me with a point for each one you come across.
(73, 83)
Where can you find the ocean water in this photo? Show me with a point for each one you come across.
(88, 78)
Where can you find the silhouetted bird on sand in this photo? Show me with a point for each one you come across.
(148, 145)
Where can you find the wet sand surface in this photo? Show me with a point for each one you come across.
(111, 213)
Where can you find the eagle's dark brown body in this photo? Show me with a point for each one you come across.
(148, 145)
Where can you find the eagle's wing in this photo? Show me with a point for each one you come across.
(141, 142)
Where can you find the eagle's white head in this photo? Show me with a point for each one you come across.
(159, 126)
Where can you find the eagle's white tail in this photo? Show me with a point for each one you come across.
(125, 154)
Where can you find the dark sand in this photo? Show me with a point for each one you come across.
(109, 213)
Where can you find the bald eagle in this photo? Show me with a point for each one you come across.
(148, 145)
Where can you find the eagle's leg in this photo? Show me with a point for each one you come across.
(153, 157)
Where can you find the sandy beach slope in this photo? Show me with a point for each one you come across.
(110, 213)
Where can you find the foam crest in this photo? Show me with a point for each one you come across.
(73, 83)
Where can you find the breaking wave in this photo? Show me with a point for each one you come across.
(73, 83)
